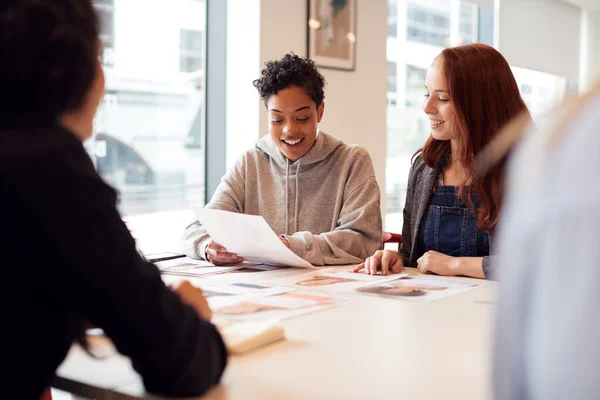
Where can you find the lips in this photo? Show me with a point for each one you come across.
(436, 123)
(292, 142)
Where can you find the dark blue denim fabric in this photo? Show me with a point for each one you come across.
(450, 227)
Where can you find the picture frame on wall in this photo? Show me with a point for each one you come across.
(332, 33)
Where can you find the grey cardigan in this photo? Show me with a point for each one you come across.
(421, 182)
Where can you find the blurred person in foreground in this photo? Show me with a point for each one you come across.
(547, 328)
(68, 260)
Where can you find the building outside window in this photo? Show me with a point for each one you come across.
(417, 34)
(149, 129)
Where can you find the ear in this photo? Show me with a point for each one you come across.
(320, 112)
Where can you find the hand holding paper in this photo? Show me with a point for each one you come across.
(248, 236)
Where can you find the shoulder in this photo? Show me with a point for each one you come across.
(418, 166)
(354, 152)
(39, 151)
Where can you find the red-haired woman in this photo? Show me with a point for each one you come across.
(450, 213)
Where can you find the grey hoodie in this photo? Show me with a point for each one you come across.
(326, 204)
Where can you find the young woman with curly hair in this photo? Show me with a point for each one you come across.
(317, 192)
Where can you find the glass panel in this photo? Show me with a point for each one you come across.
(428, 30)
(149, 130)
(542, 91)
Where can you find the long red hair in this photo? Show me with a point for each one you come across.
(485, 95)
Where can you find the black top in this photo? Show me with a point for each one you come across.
(422, 180)
(66, 257)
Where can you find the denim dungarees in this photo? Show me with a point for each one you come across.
(450, 227)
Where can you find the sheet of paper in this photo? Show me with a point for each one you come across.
(333, 280)
(177, 262)
(420, 288)
(248, 236)
(190, 267)
(240, 288)
(279, 306)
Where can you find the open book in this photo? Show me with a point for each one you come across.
(242, 337)
(248, 236)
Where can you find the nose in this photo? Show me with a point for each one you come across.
(428, 106)
(289, 127)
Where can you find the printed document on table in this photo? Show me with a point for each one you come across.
(249, 236)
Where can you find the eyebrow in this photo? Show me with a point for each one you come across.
(438, 90)
(281, 112)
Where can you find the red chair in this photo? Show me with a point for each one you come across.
(47, 395)
(389, 237)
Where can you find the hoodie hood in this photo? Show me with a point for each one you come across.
(323, 147)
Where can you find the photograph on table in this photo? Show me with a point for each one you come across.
(421, 288)
(334, 280)
(278, 306)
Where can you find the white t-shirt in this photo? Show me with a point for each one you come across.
(547, 343)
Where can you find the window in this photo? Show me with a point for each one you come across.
(468, 23)
(149, 129)
(428, 25)
(190, 50)
(392, 76)
(106, 15)
(542, 91)
(428, 31)
(415, 82)
(393, 18)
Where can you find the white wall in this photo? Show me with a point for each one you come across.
(355, 103)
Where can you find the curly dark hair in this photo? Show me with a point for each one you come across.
(49, 50)
(291, 70)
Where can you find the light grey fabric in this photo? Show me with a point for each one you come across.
(547, 327)
(422, 179)
(326, 204)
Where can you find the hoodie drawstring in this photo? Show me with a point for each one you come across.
(296, 201)
(287, 179)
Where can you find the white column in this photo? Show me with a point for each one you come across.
(589, 56)
(454, 23)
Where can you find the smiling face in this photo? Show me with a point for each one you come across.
(293, 118)
(438, 104)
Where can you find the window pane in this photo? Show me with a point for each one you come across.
(392, 76)
(542, 91)
(428, 27)
(149, 129)
(427, 22)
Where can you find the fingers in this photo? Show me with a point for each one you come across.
(423, 263)
(372, 263)
(359, 267)
(388, 260)
(218, 255)
(398, 265)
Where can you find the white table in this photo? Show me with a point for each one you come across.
(372, 348)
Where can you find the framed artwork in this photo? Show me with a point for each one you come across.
(332, 33)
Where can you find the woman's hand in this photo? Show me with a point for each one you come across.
(388, 261)
(194, 297)
(218, 255)
(438, 263)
